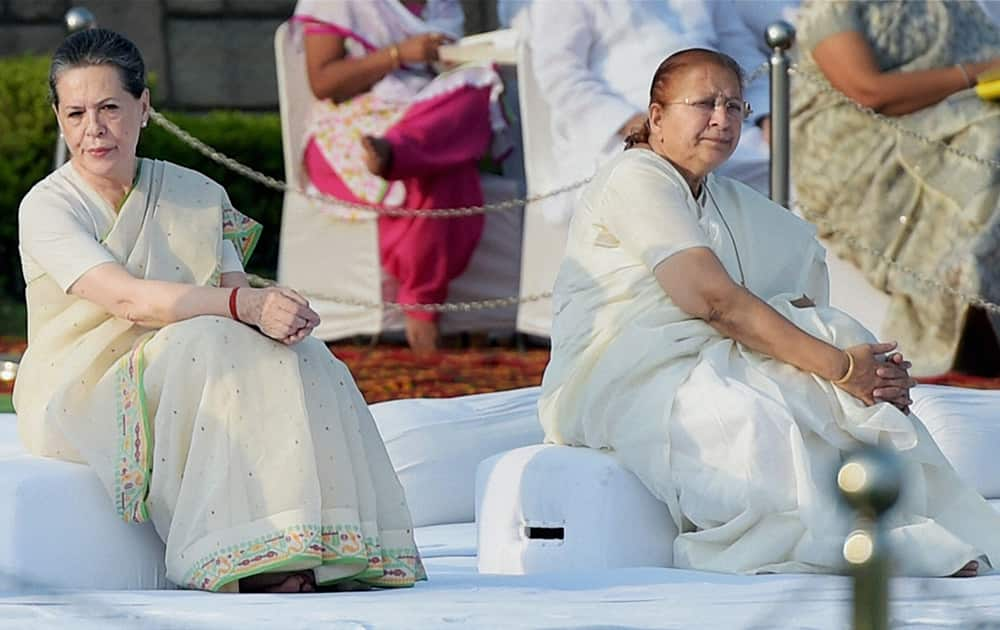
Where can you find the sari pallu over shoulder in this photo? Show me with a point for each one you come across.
(170, 228)
(266, 457)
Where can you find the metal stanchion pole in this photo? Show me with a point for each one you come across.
(77, 19)
(870, 482)
(779, 37)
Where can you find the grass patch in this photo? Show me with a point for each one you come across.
(5, 404)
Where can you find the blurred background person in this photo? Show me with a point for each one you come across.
(915, 201)
(389, 130)
(595, 67)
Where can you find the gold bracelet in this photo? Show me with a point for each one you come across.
(965, 73)
(394, 53)
(850, 370)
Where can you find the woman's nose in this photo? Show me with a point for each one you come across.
(719, 117)
(95, 126)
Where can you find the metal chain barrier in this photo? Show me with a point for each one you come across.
(493, 303)
(442, 307)
(930, 283)
(363, 209)
(890, 122)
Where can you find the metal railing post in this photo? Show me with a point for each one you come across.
(779, 37)
(76, 19)
(870, 481)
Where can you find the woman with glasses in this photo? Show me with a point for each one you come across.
(693, 338)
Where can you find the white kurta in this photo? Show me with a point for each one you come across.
(595, 61)
(741, 447)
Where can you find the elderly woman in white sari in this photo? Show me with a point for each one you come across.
(202, 404)
(693, 338)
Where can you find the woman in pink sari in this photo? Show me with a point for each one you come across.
(388, 131)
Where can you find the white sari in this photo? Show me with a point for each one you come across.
(741, 447)
(247, 455)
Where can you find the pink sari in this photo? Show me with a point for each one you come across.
(439, 127)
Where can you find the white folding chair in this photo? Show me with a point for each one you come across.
(325, 257)
(544, 241)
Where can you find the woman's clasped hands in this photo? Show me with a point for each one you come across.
(280, 313)
(879, 375)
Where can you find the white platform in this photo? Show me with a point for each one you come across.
(457, 595)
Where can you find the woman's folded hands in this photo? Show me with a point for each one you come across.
(879, 375)
(278, 312)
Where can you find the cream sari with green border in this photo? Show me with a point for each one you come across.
(247, 456)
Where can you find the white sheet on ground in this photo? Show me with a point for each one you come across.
(435, 445)
(457, 596)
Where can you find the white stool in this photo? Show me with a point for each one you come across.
(59, 530)
(559, 508)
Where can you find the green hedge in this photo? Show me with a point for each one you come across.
(27, 142)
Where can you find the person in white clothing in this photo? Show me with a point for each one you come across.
(593, 60)
(693, 339)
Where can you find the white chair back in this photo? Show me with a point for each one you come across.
(295, 100)
(544, 241)
(320, 255)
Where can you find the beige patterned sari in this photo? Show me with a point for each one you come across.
(248, 456)
(930, 209)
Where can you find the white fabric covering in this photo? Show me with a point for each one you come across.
(58, 530)
(57, 527)
(436, 444)
(608, 518)
(965, 423)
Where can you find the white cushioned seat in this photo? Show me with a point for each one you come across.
(559, 508)
(965, 423)
(58, 529)
(435, 445)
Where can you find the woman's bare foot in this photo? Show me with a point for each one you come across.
(378, 155)
(971, 569)
(297, 582)
(422, 335)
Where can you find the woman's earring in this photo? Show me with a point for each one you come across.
(144, 123)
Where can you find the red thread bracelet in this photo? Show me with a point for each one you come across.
(232, 304)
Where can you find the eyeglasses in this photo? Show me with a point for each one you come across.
(735, 108)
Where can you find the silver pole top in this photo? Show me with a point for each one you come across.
(79, 19)
(870, 480)
(779, 35)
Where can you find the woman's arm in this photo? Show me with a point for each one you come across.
(699, 285)
(332, 75)
(280, 313)
(849, 64)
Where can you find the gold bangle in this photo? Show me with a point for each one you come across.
(965, 73)
(394, 53)
(850, 370)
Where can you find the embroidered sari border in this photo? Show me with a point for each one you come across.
(378, 566)
(135, 466)
(242, 231)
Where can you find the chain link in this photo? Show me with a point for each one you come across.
(441, 307)
(364, 210)
(856, 243)
(493, 303)
(890, 122)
